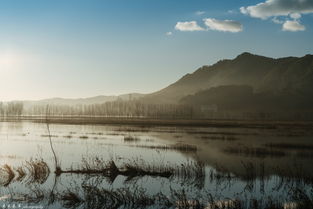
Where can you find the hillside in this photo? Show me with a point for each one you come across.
(290, 75)
(84, 101)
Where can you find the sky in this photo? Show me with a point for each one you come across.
(75, 48)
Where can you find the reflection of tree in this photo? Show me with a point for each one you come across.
(93, 192)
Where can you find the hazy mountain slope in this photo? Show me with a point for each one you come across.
(242, 98)
(261, 73)
(84, 101)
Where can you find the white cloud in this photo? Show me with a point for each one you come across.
(295, 16)
(200, 13)
(293, 25)
(188, 26)
(223, 25)
(293, 9)
(277, 21)
(271, 8)
(169, 33)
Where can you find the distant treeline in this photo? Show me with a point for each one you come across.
(11, 109)
(241, 102)
(115, 109)
(204, 105)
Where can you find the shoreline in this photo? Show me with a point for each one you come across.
(229, 123)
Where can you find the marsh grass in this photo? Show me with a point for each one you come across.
(190, 172)
(221, 138)
(291, 146)
(259, 152)
(96, 133)
(9, 156)
(302, 198)
(7, 174)
(131, 139)
(295, 175)
(71, 199)
(33, 171)
(21, 173)
(92, 194)
(141, 129)
(49, 135)
(221, 133)
(34, 196)
(302, 154)
(110, 170)
(134, 169)
(96, 198)
(176, 147)
(38, 170)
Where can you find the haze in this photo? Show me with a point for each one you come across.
(86, 48)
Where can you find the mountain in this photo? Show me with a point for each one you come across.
(243, 99)
(290, 75)
(84, 101)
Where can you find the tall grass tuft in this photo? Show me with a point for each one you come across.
(7, 175)
(38, 169)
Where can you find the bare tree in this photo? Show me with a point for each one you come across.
(56, 162)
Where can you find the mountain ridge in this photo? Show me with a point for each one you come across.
(83, 101)
(263, 74)
(260, 72)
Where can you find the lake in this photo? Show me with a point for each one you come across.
(125, 166)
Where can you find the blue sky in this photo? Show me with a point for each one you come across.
(77, 48)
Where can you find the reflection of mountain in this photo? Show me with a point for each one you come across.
(249, 148)
(272, 80)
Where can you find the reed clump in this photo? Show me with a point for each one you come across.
(190, 171)
(38, 170)
(34, 171)
(7, 175)
(21, 173)
(71, 200)
(95, 197)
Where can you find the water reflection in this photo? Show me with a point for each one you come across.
(155, 167)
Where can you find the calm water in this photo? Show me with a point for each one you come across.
(234, 165)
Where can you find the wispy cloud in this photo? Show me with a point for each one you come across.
(295, 16)
(200, 13)
(277, 21)
(188, 26)
(223, 25)
(169, 33)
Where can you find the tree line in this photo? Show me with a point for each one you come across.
(11, 109)
(113, 109)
